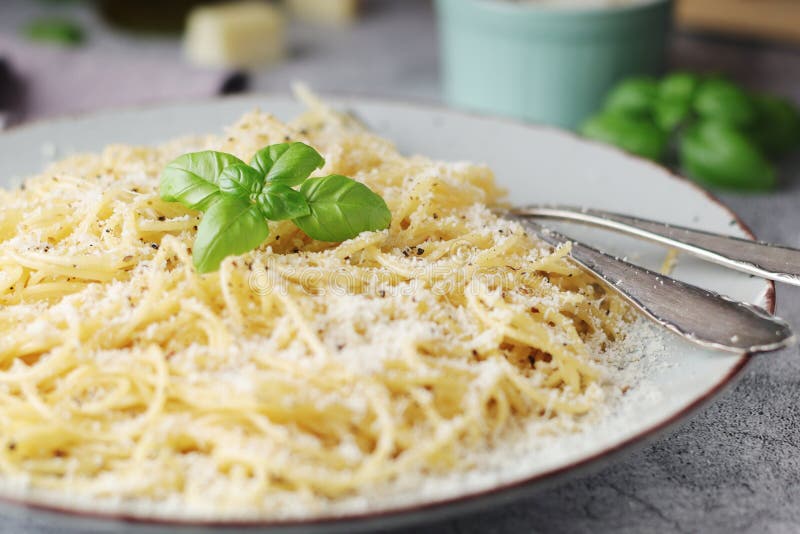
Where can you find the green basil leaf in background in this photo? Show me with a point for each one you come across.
(673, 105)
(279, 202)
(287, 163)
(669, 114)
(230, 227)
(241, 180)
(636, 135)
(193, 179)
(54, 30)
(722, 100)
(341, 208)
(678, 87)
(634, 96)
(777, 128)
(719, 154)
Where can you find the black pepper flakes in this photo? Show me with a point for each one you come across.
(420, 251)
(162, 218)
(154, 246)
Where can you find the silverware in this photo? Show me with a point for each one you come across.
(774, 262)
(703, 317)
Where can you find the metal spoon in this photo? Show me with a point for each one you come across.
(703, 317)
(774, 262)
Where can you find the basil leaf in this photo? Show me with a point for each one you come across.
(193, 179)
(279, 202)
(341, 208)
(241, 180)
(287, 163)
(231, 226)
(54, 30)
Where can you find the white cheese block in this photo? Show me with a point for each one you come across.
(246, 34)
(326, 12)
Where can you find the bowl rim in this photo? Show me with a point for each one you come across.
(511, 8)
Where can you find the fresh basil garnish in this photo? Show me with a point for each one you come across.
(279, 202)
(287, 163)
(238, 199)
(193, 179)
(231, 226)
(341, 208)
(241, 180)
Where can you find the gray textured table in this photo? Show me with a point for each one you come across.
(734, 467)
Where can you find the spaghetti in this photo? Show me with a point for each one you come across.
(302, 371)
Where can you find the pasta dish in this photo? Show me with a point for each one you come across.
(299, 375)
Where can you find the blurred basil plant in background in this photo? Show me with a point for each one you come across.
(717, 132)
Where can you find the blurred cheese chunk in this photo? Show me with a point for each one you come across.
(326, 12)
(241, 34)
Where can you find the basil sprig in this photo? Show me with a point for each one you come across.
(237, 199)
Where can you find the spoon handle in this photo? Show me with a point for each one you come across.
(703, 317)
(774, 262)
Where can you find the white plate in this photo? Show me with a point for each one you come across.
(536, 164)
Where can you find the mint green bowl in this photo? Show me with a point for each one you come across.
(543, 63)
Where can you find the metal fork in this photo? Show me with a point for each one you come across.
(698, 315)
(767, 260)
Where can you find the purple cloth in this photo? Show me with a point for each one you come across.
(58, 81)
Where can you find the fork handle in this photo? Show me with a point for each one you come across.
(700, 316)
(774, 262)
